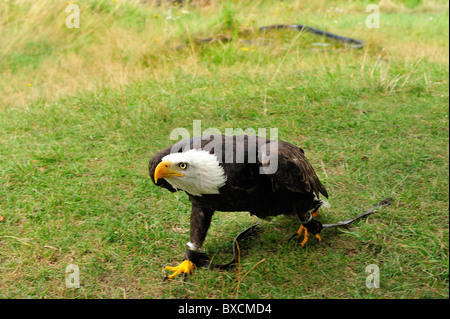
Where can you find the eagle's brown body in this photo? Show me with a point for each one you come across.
(293, 189)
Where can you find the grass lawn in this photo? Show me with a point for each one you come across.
(82, 111)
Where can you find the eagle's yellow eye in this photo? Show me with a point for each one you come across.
(182, 165)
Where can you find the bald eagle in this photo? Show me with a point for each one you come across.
(239, 173)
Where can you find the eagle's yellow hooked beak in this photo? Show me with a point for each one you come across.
(163, 170)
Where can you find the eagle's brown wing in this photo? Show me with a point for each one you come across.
(294, 172)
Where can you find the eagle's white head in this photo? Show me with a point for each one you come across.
(195, 171)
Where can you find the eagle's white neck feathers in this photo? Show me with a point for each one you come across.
(203, 174)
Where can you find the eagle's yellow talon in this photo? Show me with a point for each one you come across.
(300, 231)
(305, 238)
(186, 267)
(307, 233)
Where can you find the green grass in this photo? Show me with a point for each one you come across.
(74, 148)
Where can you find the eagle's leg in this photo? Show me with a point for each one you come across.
(304, 229)
(200, 221)
(306, 236)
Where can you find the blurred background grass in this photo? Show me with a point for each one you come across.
(121, 42)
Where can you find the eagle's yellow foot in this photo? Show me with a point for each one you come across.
(306, 236)
(186, 267)
(303, 229)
